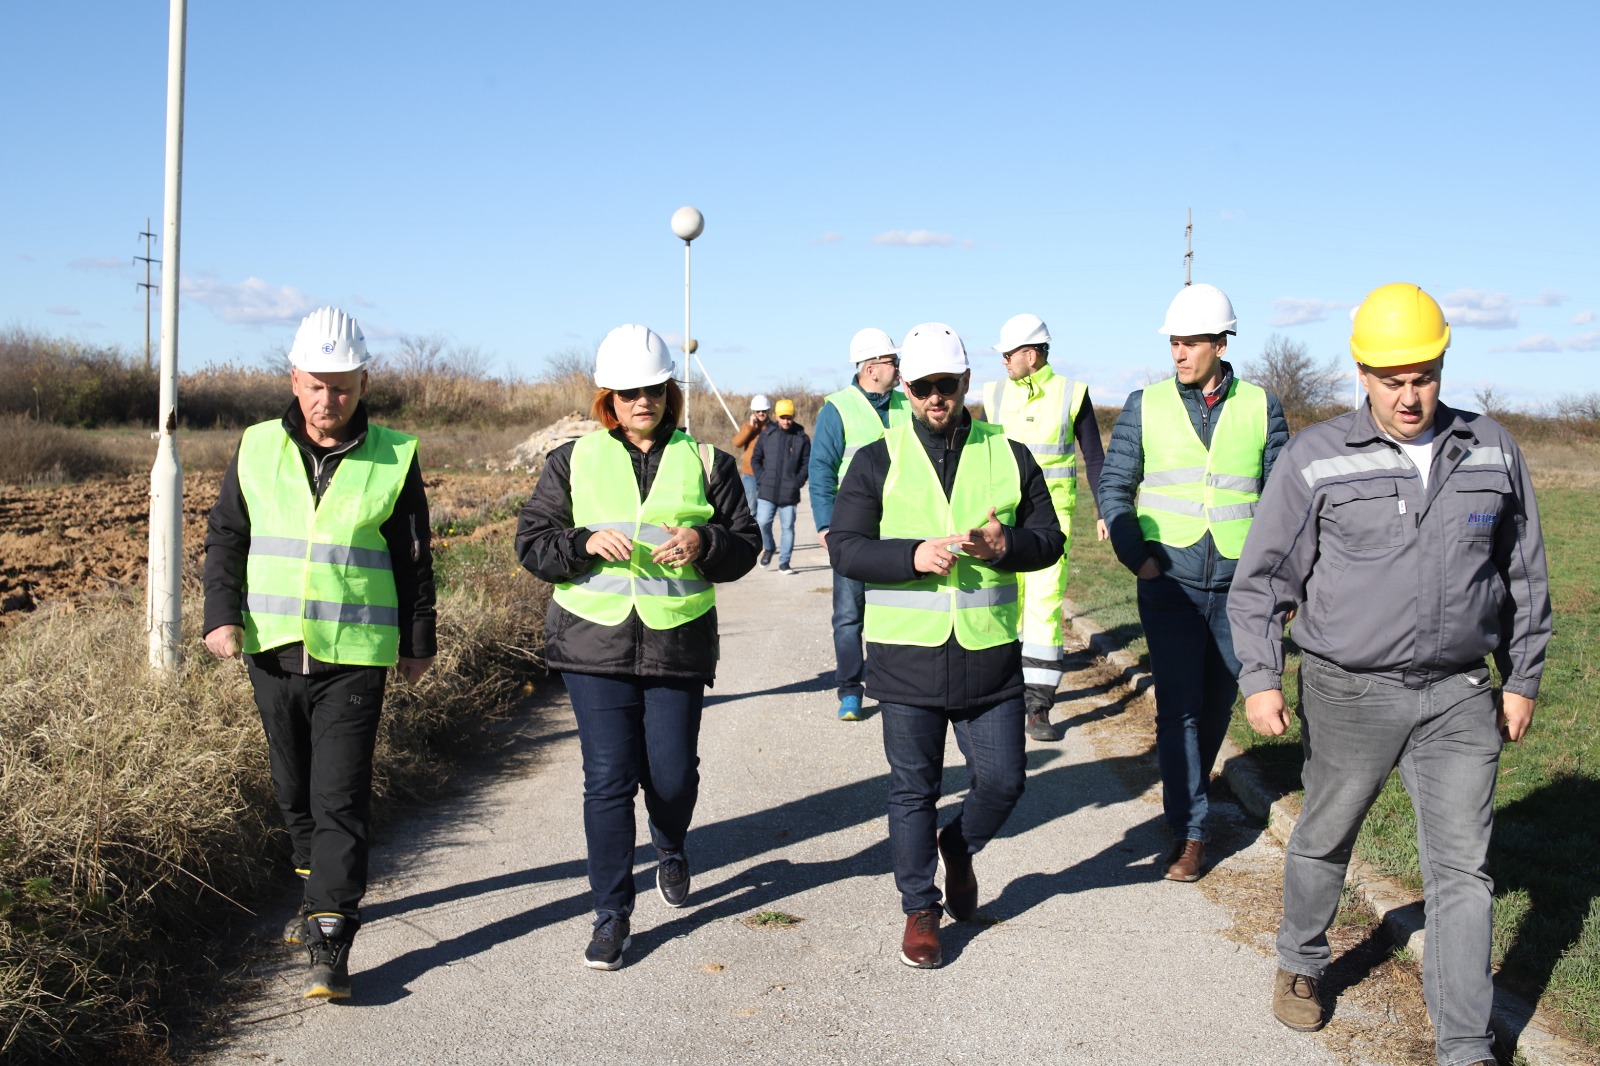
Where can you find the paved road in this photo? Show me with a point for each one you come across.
(478, 912)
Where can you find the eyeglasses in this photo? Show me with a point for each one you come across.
(922, 388)
(1005, 357)
(891, 360)
(654, 392)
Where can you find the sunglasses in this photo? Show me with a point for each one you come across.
(655, 392)
(922, 388)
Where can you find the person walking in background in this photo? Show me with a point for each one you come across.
(744, 439)
(1182, 475)
(634, 524)
(1403, 538)
(850, 419)
(937, 518)
(781, 460)
(1054, 418)
(318, 571)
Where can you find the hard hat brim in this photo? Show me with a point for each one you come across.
(1422, 353)
(644, 382)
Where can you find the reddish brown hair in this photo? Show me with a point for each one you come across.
(606, 415)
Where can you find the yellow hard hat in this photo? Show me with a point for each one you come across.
(1397, 325)
(782, 408)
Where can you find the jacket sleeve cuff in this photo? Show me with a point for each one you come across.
(1522, 686)
(1259, 681)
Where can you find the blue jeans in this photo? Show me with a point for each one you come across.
(1445, 739)
(1196, 680)
(849, 607)
(634, 731)
(785, 512)
(991, 740)
(749, 491)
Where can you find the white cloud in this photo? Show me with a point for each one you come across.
(1583, 342)
(917, 238)
(1547, 298)
(1481, 309)
(58, 309)
(831, 237)
(1295, 311)
(1539, 342)
(1582, 318)
(99, 262)
(251, 302)
(1544, 342)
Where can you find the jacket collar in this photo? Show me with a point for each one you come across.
(294, 424)
(930, 439)
(1222, 383)
(1036, 381)
(1446, 422)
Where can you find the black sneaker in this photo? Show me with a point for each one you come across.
(766, 557)
(294, 930)
(606, 946)
(328, 938)
(1038, 726)
(786, 570)
(672, 879)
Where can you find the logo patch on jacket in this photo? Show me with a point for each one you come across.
(1481, 518)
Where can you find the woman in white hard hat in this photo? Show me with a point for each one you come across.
(634, 523)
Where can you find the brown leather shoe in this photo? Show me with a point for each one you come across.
(1295, 1002)
(920, 945)
(1183, 864)
(960, 883)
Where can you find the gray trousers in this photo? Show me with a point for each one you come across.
(1446, 741)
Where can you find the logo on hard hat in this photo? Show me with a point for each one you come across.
(327, 349)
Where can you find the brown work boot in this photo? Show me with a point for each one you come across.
(960, 883)
(1183, 864)
(1295, 1002)
(920, 945)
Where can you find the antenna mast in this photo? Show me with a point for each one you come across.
(1188, 248)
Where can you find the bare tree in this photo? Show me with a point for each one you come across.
(1489, 400)
(1308, 391)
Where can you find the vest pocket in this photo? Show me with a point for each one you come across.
(1478, 501)
(1368, 514)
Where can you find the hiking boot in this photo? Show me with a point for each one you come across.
(672, 879)
(766, 557)
(606, 946)
(1038, 727)
(294, 930)
(919, 946)
(328, 938)
(849, 708)
(1295, 1002)
(960, 883)
(1184, 861)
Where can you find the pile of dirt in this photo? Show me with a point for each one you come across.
(528, 457)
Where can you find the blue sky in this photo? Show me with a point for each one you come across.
(503, 175)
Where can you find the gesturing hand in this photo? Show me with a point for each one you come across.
(988, 541)
(937, 555)
(681, 549)
(609, 544)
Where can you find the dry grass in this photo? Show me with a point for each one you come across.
(133, 813)
(40, 453)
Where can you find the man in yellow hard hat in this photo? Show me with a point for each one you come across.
(1052, 416)
(318, 572)
(1404, 540)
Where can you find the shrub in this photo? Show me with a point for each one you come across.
(33, 452)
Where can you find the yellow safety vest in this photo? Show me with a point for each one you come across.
(320, 573)
(1041, 415)
(975, 601)
(605, 495)
(860, 419)
(1188, 489)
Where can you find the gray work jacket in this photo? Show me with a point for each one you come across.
(1409, 586)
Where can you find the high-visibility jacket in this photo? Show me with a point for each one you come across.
(605, 495)
(1039, 413)
(1188, 489)
(975, 601)
(861, 422)
(319, 572)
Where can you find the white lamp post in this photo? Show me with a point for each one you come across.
(687, 224)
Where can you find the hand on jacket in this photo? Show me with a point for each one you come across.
(226, 642)
(937, 554)
(988, 541)
(609, 544)
(1267, 712)
(681, 549)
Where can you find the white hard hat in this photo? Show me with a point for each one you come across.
(1199, 309)
(1021, 331)
(328, 342)
(932, 348)
(632, 357)
(870, 343)
(759, 402)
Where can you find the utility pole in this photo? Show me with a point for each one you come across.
(1188, 248)
(146, 286)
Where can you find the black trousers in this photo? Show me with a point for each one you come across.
(321, 729)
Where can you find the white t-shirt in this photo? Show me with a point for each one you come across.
(1420, 452)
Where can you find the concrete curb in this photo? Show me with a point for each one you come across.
(1513, 1022)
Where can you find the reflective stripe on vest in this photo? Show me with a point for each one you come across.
(975, 601)
(605, 495)
(1041, 417)
(861, 422)
(319, 573)
(1188, 490)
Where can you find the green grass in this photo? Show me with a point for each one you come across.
(1546, 852)
(772, 920)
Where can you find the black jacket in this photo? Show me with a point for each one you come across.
(948, 677)
(550, 548)
(780, 461)
(406, 531)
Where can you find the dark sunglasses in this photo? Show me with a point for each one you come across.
(923, 387)
(655, 392)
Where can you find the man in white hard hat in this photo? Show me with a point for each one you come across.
(850, 419)
(1053, 417)
(745, 440)
(318, 572)
(1182, 475)
(1404, 539)
(937, 519)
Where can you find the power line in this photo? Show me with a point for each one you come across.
(147, 286)
(1188, 248)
